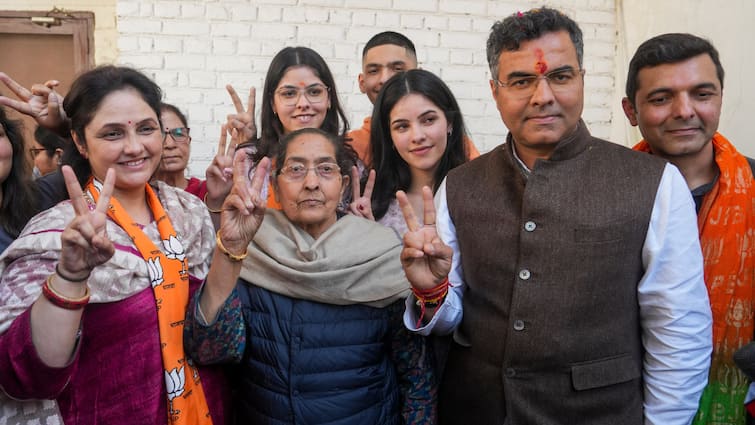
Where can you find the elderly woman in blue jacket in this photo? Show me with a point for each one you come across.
(315, 318)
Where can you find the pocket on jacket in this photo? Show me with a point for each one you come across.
(604, 372)
(604, 232)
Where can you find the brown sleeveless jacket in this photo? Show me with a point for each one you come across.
(550, 331)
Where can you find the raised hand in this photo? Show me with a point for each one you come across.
(85, 241)
(244, 208)
(425, 258)
(42, 103)
(243, 119)
(219, 173)
(361, 206)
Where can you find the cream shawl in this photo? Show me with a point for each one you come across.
(355, 261)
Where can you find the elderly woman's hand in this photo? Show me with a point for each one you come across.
(361, 206)
(244, 208)
(425, 258)
(42, 103)
(85, 243)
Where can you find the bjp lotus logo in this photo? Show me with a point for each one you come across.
(175, 381)
(174, 249)
(155, 270)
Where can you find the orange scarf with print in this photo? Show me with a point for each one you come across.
(170, 282)
(726, 224)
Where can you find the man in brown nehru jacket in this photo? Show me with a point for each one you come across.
(576, 277)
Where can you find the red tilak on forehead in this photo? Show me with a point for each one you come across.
(541, 66)
(301, 84)
(129, 122)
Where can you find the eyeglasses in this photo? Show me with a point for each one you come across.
(35, 151)
(179, 134)
(297, 172)
(560, 80)
(315, 93)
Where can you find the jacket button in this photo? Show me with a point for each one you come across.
(530, 226)
(518, 325)
(524, 274)
(510, 372)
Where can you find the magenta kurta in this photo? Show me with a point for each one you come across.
(116, 371)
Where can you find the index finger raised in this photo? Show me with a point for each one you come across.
(428, 206)
(223, 139)
(355, 189)
(369, 185)
(107, 192)
(75, 193)
(16, 88)
(258, 179)
(235, 99)
(251, 101)
(406, 209)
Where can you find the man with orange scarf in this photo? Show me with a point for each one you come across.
(674, 92)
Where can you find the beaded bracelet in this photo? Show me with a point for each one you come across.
(218, 211)
(232, 257)
(68, 278)
(61, 300)
(432, 297)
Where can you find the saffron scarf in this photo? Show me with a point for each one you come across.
(168, 272)
(726, 225)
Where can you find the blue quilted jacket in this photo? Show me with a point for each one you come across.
(311, 363)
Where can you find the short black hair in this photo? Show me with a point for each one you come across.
(49, 140)
(669, 48)
(510, 32)
(390, 37)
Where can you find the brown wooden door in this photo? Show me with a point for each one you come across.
(40, 46)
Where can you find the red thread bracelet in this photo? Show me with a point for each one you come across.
(432, 296)
(62, 301)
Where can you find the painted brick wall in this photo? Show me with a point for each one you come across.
(193, 48)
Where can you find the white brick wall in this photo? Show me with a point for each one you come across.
(193, 48)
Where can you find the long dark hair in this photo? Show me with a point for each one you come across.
(392, 172)
(19, 192)
(335, 121)
(85, 96)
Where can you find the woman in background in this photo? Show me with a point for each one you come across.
(47, 151)
(18, 201)
(299, 92)
(176, 151)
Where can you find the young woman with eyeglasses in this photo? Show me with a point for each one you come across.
(299, 92)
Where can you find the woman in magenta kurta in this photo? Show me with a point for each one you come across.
(94, 291)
